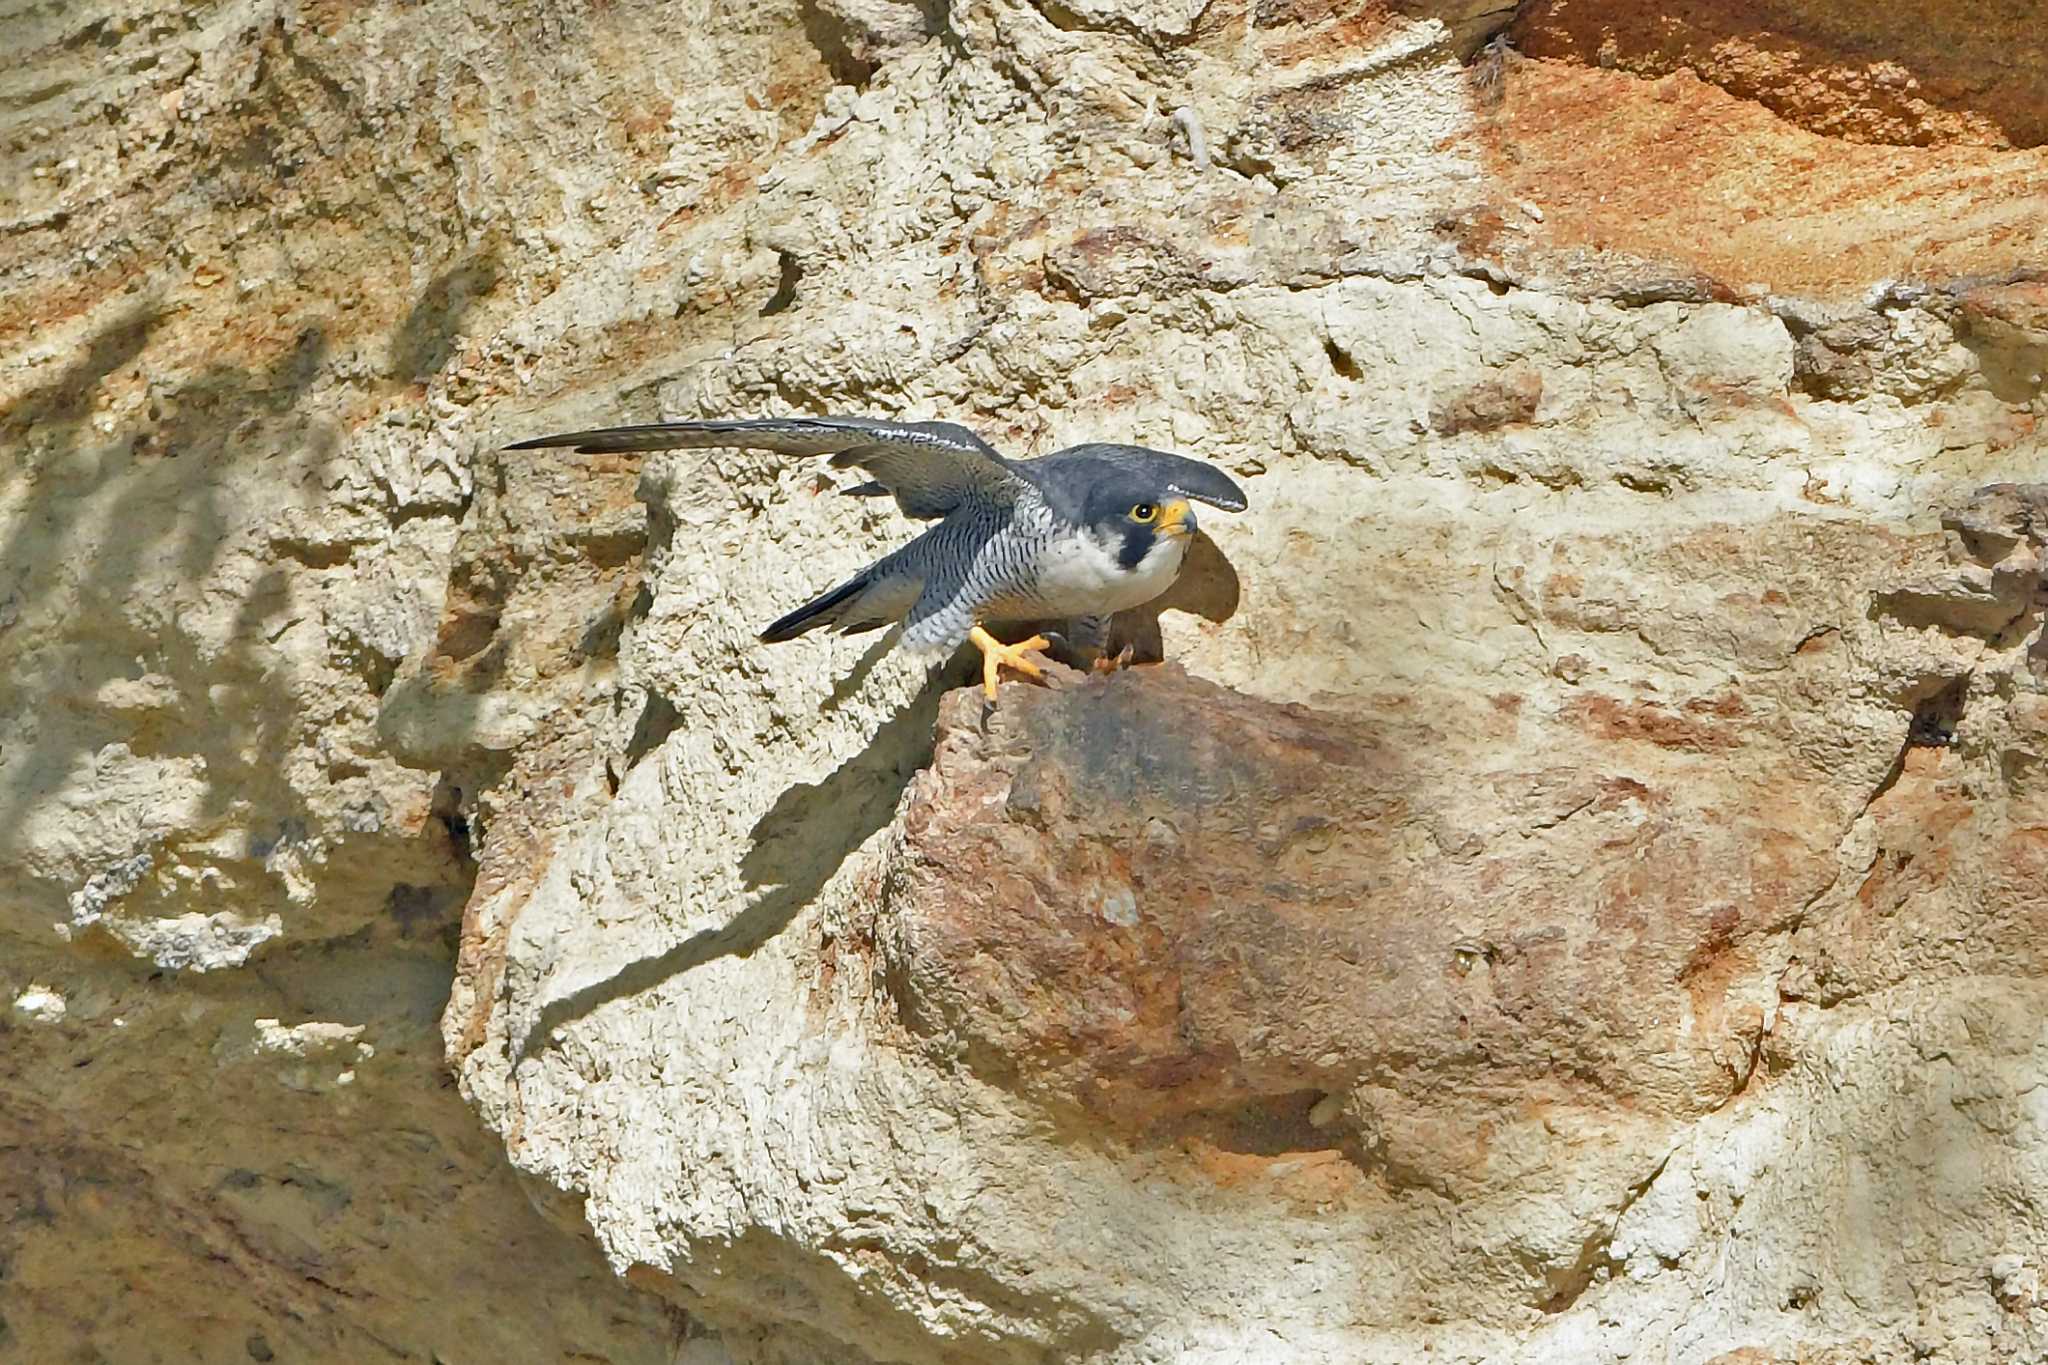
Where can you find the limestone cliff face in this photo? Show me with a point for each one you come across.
(1575, 892)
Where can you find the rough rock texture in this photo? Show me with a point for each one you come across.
(237, 249)
(1906, 74)
(1581, 900)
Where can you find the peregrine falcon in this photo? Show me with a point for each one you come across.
(1076, 535)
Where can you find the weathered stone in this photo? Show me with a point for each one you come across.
(1614, 399)
(1906, 75)
(1178, 911)
(1510, 398)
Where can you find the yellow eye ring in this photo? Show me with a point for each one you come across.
(1144, 513)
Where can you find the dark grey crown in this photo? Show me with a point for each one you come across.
(1069, 477)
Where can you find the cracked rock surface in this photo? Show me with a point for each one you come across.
(1574, 892)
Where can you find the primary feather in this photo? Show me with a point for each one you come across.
(929, 466)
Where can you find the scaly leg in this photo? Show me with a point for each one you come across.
(995, 654)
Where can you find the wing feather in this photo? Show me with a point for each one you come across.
(930, 467)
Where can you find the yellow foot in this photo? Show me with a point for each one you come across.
(995, 654)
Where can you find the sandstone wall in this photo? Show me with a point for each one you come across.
(1575, 895)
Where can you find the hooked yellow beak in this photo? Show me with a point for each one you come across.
(1176, 518)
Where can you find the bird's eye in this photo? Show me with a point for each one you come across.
(1143, 513)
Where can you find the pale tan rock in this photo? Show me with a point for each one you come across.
(1668, 482)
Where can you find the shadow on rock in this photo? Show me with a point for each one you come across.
(792, 851)
(1208, 587)
(169, 481)
(424, 342)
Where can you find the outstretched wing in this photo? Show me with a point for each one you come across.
(930, 467)
(1203, 483)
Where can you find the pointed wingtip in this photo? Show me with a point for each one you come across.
(1214, 487)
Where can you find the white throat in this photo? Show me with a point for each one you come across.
(1086, 579)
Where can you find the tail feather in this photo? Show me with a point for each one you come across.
(867, 600)
(819, 611)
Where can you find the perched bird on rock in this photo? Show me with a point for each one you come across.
(1077, 535)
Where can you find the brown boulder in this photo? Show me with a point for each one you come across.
(1182, 912)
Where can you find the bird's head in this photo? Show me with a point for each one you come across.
(1137, 519)
(1140, 502)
